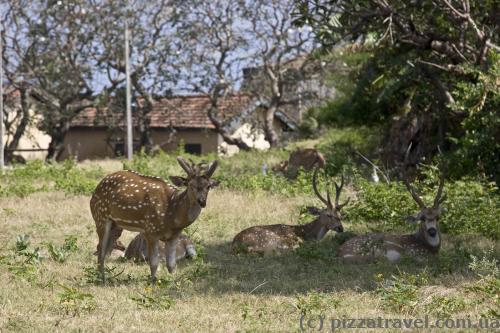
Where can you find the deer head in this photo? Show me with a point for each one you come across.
(198, 180)
(428, 217)
(329, 216)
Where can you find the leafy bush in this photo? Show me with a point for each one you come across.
(38, 176)
(471, 206)
(399, 293)
(315, 303)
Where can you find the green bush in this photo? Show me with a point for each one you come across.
(471, 207)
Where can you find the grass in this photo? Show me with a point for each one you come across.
(52, 273)
(48, 239)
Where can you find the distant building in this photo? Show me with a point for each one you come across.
(98, 133)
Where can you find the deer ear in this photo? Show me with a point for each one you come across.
(178, 181)
(313, 210)
(214, 183)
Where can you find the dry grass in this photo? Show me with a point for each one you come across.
(221, 293)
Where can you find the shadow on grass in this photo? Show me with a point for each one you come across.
(313, 267)
(319, 270)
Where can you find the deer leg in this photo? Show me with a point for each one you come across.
(171, 253)
(114, 234)
(103, 245)
(154, 258)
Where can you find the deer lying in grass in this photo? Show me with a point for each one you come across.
(130, 201)
(282, 237)
(427, 239)
(138, 249)
(302, 158)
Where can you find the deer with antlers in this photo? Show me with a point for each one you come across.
(427, 239)
(131, 201)
(282, 237)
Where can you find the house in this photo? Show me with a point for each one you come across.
(98, 133)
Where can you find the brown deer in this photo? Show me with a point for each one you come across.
(282, 237)
(301, 158)
(138, 249)
(131, 201)
(427, 239)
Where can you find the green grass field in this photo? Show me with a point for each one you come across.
(50, 282)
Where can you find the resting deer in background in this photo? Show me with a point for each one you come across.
(282, 237)
(134, 202)
(427, 239)
(307, 159)
(138, 249)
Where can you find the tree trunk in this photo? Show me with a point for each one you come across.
(21, 127)
(270, 134)
(144, 124)
(56, 145)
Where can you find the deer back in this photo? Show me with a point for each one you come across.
(134, 202)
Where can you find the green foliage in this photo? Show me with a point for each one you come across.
(152, 299)
(38, 176)
(339, 146)
(23, 262)
(444, 307)
(61, 253)
(488, 286)
(471, 207)
(399, 293)
(74, 301)
(316, 303)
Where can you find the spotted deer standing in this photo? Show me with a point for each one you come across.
(282, 237)
(131, 201)
(138, 249)
(426, 240)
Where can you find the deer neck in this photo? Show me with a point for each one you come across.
(311, 231)
(182, 210)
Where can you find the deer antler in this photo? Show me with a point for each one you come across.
(414, 194)
(211, 169)
(439, 197)
(315, 188)
(184, 165)
(337, 193)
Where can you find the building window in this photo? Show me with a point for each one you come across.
(193, 148)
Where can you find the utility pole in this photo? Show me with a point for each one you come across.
(2, 161)
(129, 110)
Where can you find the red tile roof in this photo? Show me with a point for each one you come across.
(179, 112)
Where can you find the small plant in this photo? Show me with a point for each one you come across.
(152, 300)
(315, 303)
(444, 307)
(31, 256)
(400, 292)
(74, 301)
(22, 243)
(61, 253)
(488, 286)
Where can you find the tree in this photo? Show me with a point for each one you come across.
(282, 54)
(153, 47)
(222, 38)
(440, 57)
(48, 46)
